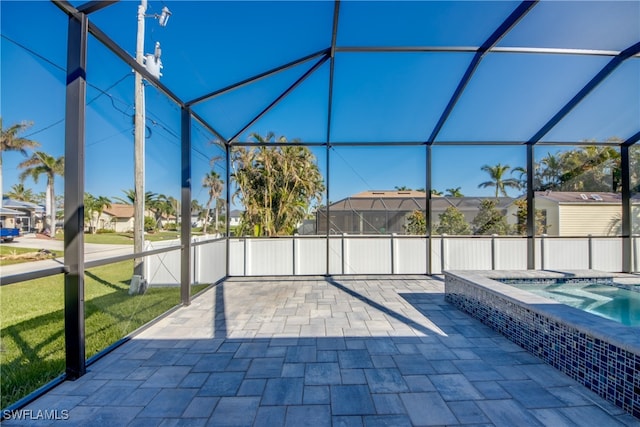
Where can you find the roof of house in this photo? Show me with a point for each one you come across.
(120, 210)
(580, 197)
(389, 194)
(406, 201)
(20, 204)
(7, 211)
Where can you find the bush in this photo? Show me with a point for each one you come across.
(149, 224)
(105, 231)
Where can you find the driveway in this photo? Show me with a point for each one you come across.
(92, 251)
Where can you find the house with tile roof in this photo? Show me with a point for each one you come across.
(387, 211)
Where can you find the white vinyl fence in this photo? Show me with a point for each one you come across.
(208, 257)
(386, 254)
(391, 254)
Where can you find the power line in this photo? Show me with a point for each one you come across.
(352, 168)
(33, 52)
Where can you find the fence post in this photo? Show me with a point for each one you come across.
(195, 253)
(493, 251)
(634, 255)
(442, 252)
(244, 257)
(293, 241)
(542, 251)
(392, 254)
(590, 252)
(342, 251)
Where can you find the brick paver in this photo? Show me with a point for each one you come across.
(320, 352)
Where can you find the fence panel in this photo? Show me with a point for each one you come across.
(568, 254)
(210, 261)
(269, 257)
(435, 257)
(510, 254)
(467, 254)
(367, 255)
(336, 265)
(635, 254)
(409, 255)
(163, 269)
(311, 255)
(606, 254)
(236, 257)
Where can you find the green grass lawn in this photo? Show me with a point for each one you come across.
(124, 238)
(32, 319)
(12, 250)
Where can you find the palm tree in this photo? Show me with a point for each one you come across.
(40, 163)
(130, 197)
(95, 205)
(161, 205)
(498, 181)
(19, 192)
(454, 192)
(10, 141)
(214, 184)
(549, 173)
(402, 188)
(591, 168)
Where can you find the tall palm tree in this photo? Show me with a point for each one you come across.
(549, 172)
(10, 141)
(40, 163)
(214, 185)
(497, 173)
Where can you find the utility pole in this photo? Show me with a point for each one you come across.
(153, 65)
(138, 150)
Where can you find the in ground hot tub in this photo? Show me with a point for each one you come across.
(599, 353)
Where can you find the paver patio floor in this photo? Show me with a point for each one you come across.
(379, 351)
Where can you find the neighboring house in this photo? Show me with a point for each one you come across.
(30, 216)
(118, 217)
(234, 217)
(196, 218)
(568, 213)
(384, 212)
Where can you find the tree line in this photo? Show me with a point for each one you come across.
(278, 182)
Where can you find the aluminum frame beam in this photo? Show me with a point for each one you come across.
(185, 207)
(280, 98)
(515, 16)
(74, 322)
(257, 77)
(586, 90)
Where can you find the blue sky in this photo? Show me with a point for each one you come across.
(377, 97)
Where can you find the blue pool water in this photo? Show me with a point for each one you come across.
(608, 301)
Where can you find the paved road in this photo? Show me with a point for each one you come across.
(92, 252)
